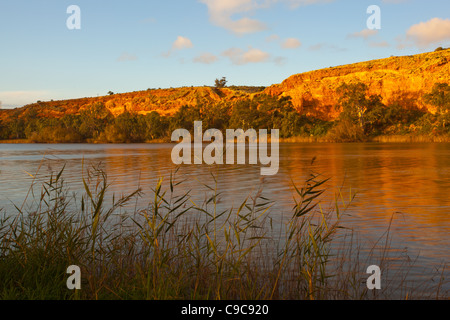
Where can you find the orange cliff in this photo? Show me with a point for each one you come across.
(164, 101)
(402, 80)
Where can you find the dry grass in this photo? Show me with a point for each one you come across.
(410, 138)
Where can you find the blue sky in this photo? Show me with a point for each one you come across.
(133, 45)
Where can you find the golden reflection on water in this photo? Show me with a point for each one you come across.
(411, 181)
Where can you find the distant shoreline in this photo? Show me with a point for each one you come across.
(379, 139)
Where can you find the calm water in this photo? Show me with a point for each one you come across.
(409, 181)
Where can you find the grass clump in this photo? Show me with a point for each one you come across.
(174, 248)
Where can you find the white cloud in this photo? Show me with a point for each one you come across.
(232, 53)
(246, 25)
(291, 43)
(381, 44)
(179, 44)
(182, 43)
(325, 46)
(430, 32)
(221, 13)
(127, 57)
(254, 56)
(297, 3)
(273, 37)
(240, 57)
(206, 58)
(366, 34)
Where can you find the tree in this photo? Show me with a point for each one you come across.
(246, 115)
(110, 93)
(215, 115)
(353, 101)
(440, 98)
(375, 120)
(126, 128)
(359, 108)
(184, 118)
(94, 119)
(2, 130)
(154, 125)
(221, 83)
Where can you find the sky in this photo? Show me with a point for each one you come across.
(50, 51)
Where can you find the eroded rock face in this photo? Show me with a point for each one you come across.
(402, 80)
(165, 101)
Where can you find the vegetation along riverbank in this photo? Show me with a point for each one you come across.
(397, 99)
(177, 248)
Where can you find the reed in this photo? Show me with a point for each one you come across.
(176, 248)
(411, 138)
(15, 141)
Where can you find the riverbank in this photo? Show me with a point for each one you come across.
(15, 141)
(301, 139)
(382, 139)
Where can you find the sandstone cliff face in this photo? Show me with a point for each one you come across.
(164, 101)
(397, 79)
(168, 101)
(402, 80)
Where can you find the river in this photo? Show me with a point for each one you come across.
(406, 186)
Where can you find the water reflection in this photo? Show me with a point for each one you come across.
(411, 181)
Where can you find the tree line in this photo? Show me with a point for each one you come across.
(361, 116)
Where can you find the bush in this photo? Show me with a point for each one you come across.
(125, 128)
(56, 135)
(346, 131)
